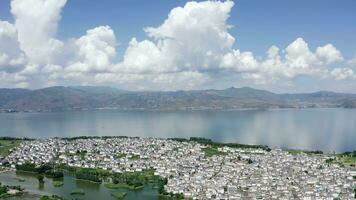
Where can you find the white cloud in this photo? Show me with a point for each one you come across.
(161, 81)
(36, 22)
(352, 62)
(296, 60)
(30, 70)
(12, 80)
(145, 57)
(272, 68)
(190, 49)
(192, 40)
(194, 37)
(96, 51)
(329, 54)
(11, 57)
(239, 61)
(342, 73)
(299, 58)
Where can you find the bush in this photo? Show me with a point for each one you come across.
(54, 174)
(94, 175)
(40, 178)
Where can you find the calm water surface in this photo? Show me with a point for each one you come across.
(93, 191)
(324, 129)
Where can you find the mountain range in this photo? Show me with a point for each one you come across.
(61, 98)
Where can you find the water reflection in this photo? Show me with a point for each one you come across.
(325, 129)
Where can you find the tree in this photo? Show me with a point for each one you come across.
(40, 178)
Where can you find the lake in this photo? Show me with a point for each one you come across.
(93, 191)
(315, 129)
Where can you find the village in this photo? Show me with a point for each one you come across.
(199, 171)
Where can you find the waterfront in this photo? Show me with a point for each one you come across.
(323, 129)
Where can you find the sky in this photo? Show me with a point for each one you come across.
(278, 45)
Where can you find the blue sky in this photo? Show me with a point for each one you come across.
(256, 26)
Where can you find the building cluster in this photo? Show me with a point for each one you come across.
(233, 174)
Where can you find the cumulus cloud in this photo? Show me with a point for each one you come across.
(239, 61)
(145, 57)
(194, 37)
(329, 54)
(297, 59)
(36, 22)
(12, 58)
(191, 48)
(95, 50)
(188, 43)
(343, 73)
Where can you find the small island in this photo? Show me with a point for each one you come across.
(57, 183)
(119, 195)
(77, 191)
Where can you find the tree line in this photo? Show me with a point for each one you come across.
(206, 141)
(46, 169)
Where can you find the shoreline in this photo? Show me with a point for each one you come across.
(9, 169)
(313, 151)
(11, 111)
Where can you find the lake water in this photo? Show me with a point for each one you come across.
(93, 191)
(322, 129)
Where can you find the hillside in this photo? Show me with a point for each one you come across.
(88, 97)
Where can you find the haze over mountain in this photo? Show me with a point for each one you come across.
(90, 97)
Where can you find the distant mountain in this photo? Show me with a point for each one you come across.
(88, 97)
(8, 95)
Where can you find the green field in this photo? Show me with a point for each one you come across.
(134, 157)
(120, 155)
(211, 151)
(348, 160)
(6, 145)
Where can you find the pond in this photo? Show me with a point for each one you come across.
(93, 191)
